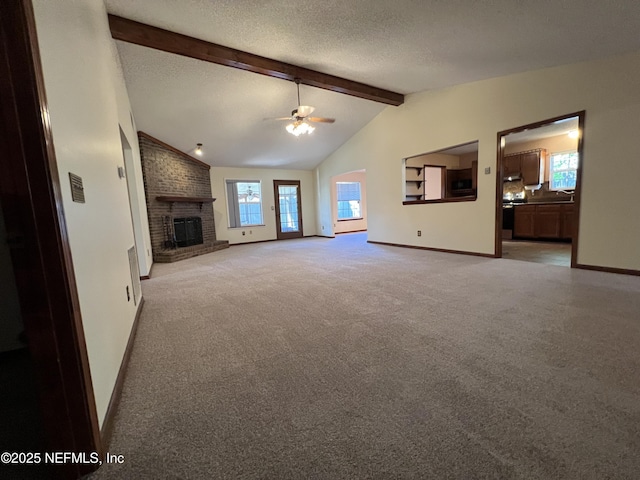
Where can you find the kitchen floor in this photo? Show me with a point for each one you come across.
(551, 253)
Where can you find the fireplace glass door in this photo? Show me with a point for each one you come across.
(188, 231)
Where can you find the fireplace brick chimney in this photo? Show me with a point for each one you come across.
(183, 185)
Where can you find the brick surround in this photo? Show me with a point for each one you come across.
(169, 172)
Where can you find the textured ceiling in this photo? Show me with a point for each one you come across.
(561, 127)
(404, 46)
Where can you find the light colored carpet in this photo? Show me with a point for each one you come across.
(334, 358)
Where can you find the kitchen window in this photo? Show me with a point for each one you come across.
(348, 195)
(563, 170)
(244, 202)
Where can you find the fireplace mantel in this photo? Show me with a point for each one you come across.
(174, 199)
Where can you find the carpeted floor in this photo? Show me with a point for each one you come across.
(334, 358)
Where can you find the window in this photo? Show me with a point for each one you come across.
(563, 167)
(244, 201)
(348, 194)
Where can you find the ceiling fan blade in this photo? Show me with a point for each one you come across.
(280, 118)
(321, 119)
(304, 110)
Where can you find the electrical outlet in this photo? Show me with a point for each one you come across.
(323, 227)
(148, 252)
(243, 233)
(487, 170)
(250, 232)
(419, 233)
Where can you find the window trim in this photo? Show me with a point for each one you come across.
(242, 180)
(551, 170)
(348, 219)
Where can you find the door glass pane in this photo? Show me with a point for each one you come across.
(288, 200)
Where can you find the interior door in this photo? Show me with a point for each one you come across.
(288, 208)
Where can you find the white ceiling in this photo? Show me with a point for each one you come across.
(404, 46)
(561, 127)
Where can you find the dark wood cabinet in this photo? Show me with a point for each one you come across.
(530, 164)
(526, 165)
(474, 175)
(512, 165)
(548, 221)
(567, 222)
(460, 182)
(524, 221)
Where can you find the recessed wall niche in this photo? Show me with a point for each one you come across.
(447, 175)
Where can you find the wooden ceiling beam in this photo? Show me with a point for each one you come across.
(166, 41)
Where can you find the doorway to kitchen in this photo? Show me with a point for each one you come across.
(538, 191)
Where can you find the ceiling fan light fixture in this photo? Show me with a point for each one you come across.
(198, 150)
(299, 127)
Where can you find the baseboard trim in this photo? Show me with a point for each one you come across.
(271, 240)
(621, 271)
(433, 249)
(352, 231)
(107, 426)
(147, 277)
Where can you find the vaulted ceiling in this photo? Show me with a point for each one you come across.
(404, 46)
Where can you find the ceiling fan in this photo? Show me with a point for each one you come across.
(300, 117)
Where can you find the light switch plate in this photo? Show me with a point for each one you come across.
(487, 170)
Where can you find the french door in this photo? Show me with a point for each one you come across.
(288, 209)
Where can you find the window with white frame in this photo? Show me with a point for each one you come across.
(244, 202)
(348, 195)
(563, 170)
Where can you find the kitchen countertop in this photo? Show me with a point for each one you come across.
(564, 202)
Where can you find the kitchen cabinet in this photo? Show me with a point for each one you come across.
(512, 165)
(460, 182)
(545, 222)
(526, 165)
(524, 221)
(530, 164)
(548, 221)
(567, 221)
(474, 175)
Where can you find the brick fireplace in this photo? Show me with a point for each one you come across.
(179, 203)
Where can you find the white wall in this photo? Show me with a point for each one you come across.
(88, 102)
(10, 316)
(266, 176)
(435, 120)
(349, 225)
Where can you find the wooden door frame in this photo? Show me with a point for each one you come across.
(36, 231)
(577, 192)
(286, 235)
